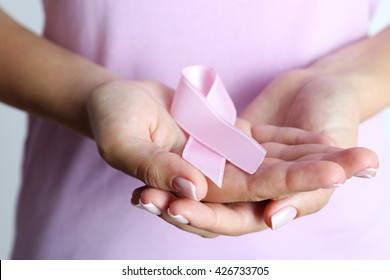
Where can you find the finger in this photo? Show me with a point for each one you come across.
(288, 135)
(204, 219)
(158, 168)
(153, 200)
(157, 202)
(286, 178)
(183, 224)
(354, 161)
(230, 219)
(244, 126)
(136, 195)
(276, 178)
(280, 212)
(294, 152)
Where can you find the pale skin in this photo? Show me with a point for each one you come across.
(70, 90)
(331, 97)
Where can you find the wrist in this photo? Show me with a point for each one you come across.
(83, 89)
(364, 66)
(354, 78)
(56, 82)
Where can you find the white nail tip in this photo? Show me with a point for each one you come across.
(366, 173)
(150, 207)
(178, 218)
(334, 186)
(283, 217)
(138, 206)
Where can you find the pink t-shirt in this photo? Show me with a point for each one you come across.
(74, 206)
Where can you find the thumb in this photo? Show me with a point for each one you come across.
(135, 133)
(156, 167)
(165, 170)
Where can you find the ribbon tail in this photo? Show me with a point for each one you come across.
(208, 162)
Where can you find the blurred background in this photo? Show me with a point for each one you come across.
(13, 122)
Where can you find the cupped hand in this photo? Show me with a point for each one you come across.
(212, 219)
(311, 100)
(136, 134)
(315, 101)
(295, 103)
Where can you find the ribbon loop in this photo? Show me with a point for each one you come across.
(203, 108)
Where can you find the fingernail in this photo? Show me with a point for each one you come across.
(150, 207)
(283, 217)
(334, 186)
(366, 173)
(178, 218)
(138, 205)
(185, 187)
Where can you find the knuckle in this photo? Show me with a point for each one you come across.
(107, 151)
(252, 192)
(289, 181)
(149, 170)
(326, 140)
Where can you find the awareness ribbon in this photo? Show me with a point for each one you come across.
(202, 107)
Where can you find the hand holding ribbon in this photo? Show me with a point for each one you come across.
(297, 161)
(136, 134)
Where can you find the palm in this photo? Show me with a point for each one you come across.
(322, 104)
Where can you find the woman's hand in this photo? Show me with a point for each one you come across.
(283, 144)
(212, 219)
(330, 97)
(136, 134)
(315, 101)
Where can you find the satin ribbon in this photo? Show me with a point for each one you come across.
(203, 108)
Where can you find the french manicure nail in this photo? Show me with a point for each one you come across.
(138, 205)
(150, 207)
(178, 218)
(366, 173)
(283, 217)
(334, 186)
(185, 187)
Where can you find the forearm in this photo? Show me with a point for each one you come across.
(44, 79)
(366, 65)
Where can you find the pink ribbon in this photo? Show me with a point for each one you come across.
(203, 108)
